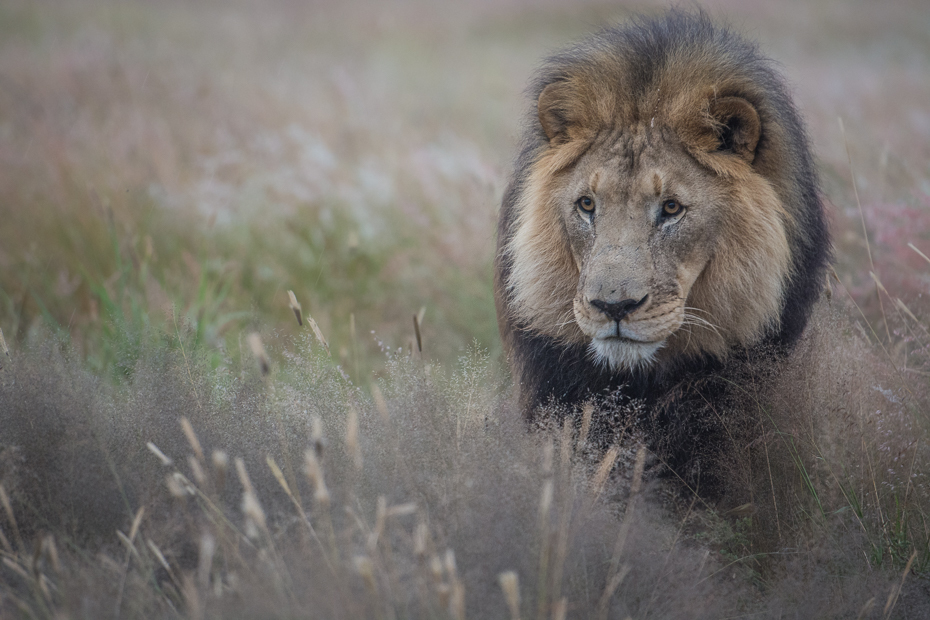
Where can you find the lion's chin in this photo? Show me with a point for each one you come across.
(624, 354)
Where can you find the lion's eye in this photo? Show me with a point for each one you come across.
(585, 204)
(672, 208)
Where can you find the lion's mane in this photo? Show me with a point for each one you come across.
(658, 71)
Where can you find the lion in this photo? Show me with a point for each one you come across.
(663, 220)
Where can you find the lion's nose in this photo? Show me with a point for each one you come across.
(619, 309)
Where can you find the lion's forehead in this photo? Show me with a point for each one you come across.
(631, 161)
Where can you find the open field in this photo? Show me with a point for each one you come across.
(170, 170)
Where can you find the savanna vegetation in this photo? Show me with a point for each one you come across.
(182, 438)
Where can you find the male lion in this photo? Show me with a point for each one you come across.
(662, 221)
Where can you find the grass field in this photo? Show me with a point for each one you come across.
(174, 444)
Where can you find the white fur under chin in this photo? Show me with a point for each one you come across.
(619, 354)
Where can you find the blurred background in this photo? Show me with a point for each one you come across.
(169, 169)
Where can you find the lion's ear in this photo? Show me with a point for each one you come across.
(554, 109)
(737, 126)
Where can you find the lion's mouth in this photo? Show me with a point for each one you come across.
(623, 353)
(618, 337)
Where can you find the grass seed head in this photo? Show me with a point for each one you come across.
(352, 445)
(318, 334)
(192, 438)
(420, 540)
(586, 414)
(317, 438)
(178, 485)
(510, 584)
(457, 600)
(165, 460)
(220, 466)
(314, 471)
(366, 569)
(416, 331)
(196, 470)
(258, 351)
(295, 306)
(4, 350)
(254, 514)
(380, 403)
(603, 470)
(205, 559)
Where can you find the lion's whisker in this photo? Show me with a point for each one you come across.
(691, 319)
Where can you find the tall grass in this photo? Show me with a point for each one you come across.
(174, 444)
(282, 489)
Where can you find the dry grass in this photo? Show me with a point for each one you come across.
(170, 172)
(290, 493)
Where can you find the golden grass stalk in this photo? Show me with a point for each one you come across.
(130, 553)
(8, 508)
(352, 446)
(192, 438)
(136, 522)
(197, 470)
(366, 569)
(314, 471)
(617, 573)
(449, 565)
(192, 603)
(510, 584)
(435, 569)
(130, 547)
(457, 600)
(903, 308)
(565, 445)
(50, 551)
(258, 350)
(179, 486)
(205, 559)
(456, 592)
(866, 609)
(318, 334)
(612, 585)
(420, 540)
(586, 413)
(545, 507)
(279, 476)
(416, 330)
(400, 510)
(4, 349)
(295, 306)
(564, 513)
(600, 476)
(165, 460)
(378, 529)
(380, 403)
(251, 508)
(910, 245)
(220, 466)
(317, 440)
(15, 567)
(163, 561)
(896, 590)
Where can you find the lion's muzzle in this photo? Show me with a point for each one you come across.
(619, 309)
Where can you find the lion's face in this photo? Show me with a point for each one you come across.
(642, 219)
(647, 245)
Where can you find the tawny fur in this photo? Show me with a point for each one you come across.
(665, 108)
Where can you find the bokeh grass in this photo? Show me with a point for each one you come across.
(169, 171)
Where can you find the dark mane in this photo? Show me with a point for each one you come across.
(628, 61)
